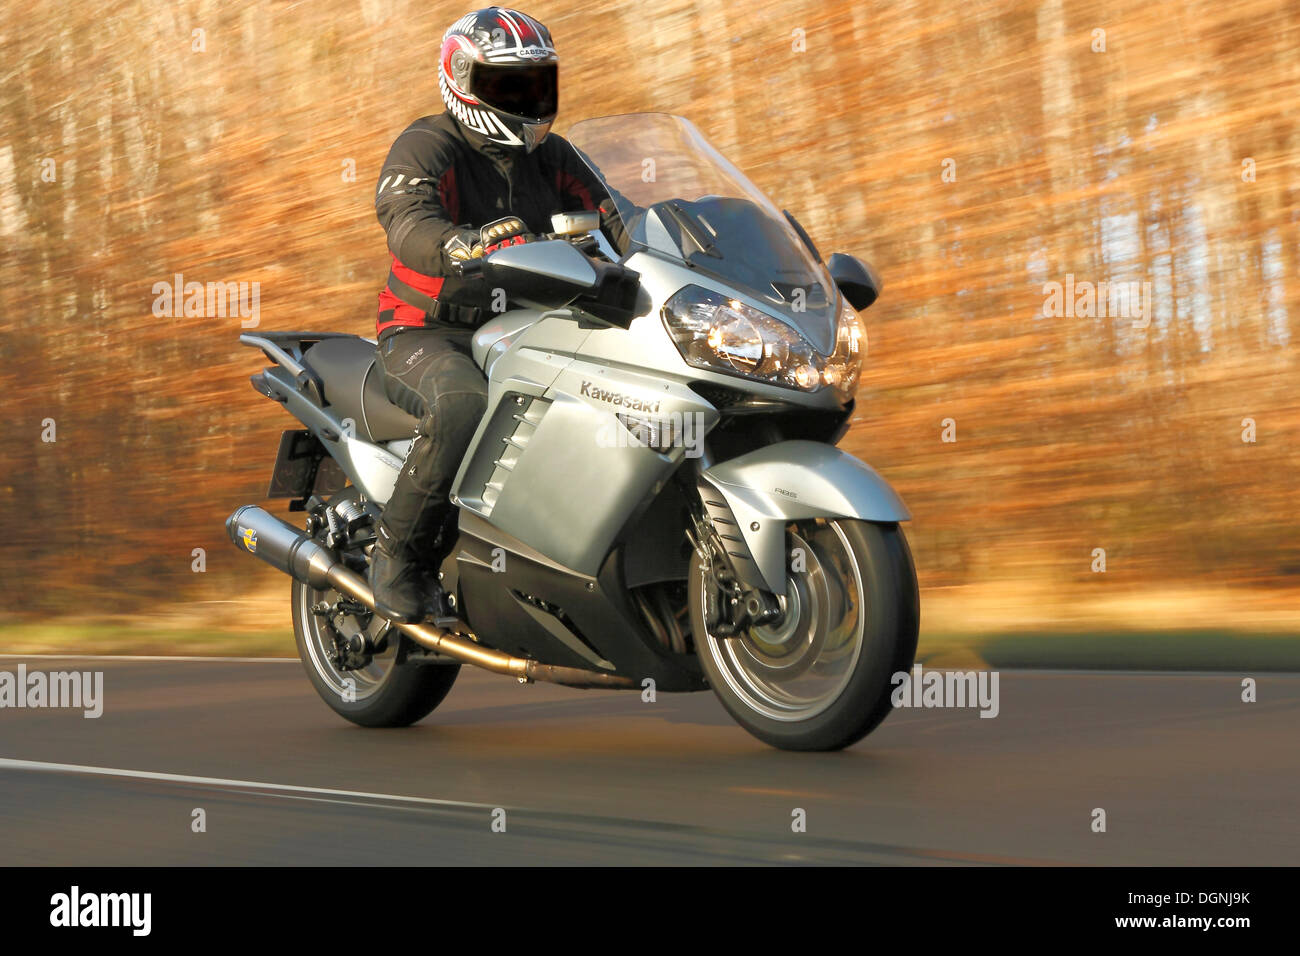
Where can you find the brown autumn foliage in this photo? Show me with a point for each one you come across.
(1163, 149)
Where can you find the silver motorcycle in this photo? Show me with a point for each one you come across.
(653, 500)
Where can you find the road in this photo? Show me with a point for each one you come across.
(1186, 773)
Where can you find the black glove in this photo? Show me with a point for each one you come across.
(476, 243)
(461, 245)
(498, 231)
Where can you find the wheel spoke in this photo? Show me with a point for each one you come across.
(796, 668)
(320, 632)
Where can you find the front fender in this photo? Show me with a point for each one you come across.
(789, 481)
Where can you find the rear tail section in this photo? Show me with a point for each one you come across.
(335, 397)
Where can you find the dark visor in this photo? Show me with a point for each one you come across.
(527, 91)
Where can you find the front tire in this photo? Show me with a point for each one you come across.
(820, 679)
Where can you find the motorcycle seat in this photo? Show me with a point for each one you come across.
(353, 387)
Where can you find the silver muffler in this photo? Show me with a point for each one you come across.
(292, 551)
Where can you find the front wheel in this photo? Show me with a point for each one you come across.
(820, 677)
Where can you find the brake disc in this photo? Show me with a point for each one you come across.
(785, 650)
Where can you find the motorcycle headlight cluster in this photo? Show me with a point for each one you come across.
(842, 369)
(723, 334)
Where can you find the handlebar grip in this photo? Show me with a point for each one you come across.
(467, 268)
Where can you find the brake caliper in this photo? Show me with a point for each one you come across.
(729, 607)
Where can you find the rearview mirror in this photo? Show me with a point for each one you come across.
(855, 278)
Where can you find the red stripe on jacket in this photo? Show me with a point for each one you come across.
(568, 183)
(403, 313)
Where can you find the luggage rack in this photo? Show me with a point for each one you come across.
(287, 348)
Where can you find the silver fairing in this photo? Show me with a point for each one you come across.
(561, 472)
(553, 463)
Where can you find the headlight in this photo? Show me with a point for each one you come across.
(721, 334)
(841, 371)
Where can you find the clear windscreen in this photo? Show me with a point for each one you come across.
(679, 197)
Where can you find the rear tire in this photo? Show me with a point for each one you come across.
(857, 621)
(392, 691)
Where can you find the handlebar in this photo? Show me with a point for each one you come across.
(467, 268)
(473, 268)
(612, 292)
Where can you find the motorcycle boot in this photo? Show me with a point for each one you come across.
(414, 514)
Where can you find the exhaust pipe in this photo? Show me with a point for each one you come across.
(292, 551)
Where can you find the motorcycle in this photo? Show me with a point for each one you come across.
(653, 500)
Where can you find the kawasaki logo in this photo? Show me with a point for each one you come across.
(618, 398)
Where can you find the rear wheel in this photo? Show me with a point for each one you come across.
(381, 689)
(820, 677)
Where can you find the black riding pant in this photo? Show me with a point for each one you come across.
(430, 373)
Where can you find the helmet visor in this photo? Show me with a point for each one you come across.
(530, 91)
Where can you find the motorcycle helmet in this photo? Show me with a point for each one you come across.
(497, 73)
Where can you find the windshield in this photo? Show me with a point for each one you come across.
(678, 197)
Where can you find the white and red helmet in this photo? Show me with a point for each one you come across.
(497, 73)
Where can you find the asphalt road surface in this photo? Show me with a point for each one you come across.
(1186, 773)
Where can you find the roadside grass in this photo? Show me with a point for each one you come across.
(1015, 625)
(1206, 649)
(146, 638)
(1050, 625)
(1181, 650)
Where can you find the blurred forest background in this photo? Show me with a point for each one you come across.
(973, 151)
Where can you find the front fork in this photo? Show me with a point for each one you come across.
(733, 601)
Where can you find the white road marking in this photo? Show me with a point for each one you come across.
(660, 827)
(8, 763)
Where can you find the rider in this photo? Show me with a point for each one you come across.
(487, 161)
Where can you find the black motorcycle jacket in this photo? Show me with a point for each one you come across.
(435, 183)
